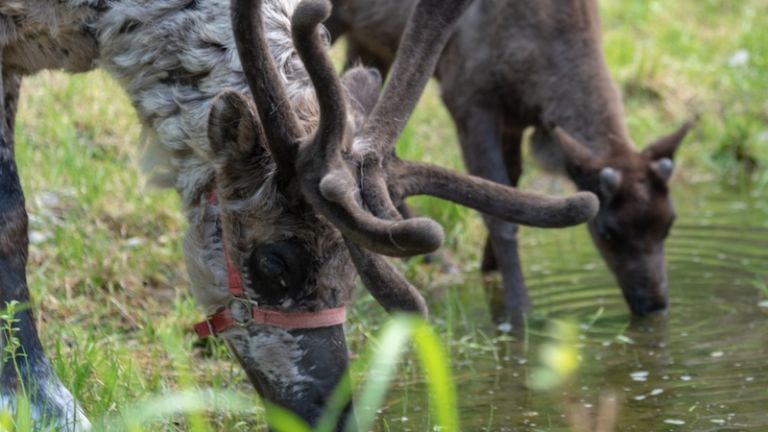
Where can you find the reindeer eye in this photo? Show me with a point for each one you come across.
(279, 270)
(272, 265)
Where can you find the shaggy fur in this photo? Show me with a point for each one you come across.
(173, 57)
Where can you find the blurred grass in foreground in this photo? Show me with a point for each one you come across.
(106, 268)
(199, 408)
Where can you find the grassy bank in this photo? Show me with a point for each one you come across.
(106, 268)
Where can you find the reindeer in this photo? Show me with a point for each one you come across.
(287, 174)
(514, 64)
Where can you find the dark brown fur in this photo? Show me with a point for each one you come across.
(514, 64)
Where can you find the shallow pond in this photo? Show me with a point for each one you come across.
(703, 367)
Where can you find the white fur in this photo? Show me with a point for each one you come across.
(71, 419)
(204, 256)
(74, 418)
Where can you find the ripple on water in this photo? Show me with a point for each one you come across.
(703, 366)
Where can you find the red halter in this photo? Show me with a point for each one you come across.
(224, 319)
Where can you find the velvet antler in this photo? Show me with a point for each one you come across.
(355, 182)
(495, 199)
(386, 180)
(327, 181)
(275, 111)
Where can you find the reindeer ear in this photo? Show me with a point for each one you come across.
(666, 147)
(363, 86)
(576, 153)
(233, 130)
(663, 168)
(238, 145)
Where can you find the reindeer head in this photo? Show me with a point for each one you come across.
(304, 202)
(636, 212)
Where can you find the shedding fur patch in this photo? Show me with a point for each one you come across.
(273, 352)
(204, 256)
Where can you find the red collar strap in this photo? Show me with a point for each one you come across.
(229, 317)
(241, 311)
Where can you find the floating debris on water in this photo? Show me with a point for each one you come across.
(639, 376)
(674, 422)
(625, 339)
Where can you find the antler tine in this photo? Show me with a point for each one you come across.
(333, 113)
(385, 283)
(280, 123)
(428, 30)
(494, 199)
(326, 181)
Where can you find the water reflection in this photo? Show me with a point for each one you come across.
(703, 366)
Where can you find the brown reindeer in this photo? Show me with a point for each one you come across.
(290, 187)
(514, 64)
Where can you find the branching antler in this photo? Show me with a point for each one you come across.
(385, 180)
(385, 283)
(355, 182)
(327, 181)
(431, 24)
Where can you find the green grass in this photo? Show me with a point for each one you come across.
(106, 269)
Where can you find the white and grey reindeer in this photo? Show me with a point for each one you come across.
(287, 173)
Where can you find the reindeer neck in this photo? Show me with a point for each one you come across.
(587, 104)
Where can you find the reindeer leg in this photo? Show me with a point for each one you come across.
(24, 371)
(493, 154)
(512, 153)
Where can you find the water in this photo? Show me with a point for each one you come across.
(703, 367)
